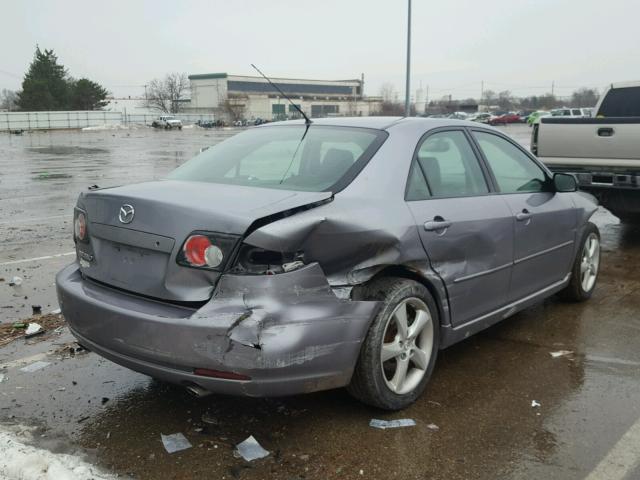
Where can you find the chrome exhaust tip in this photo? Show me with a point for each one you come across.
(197, 391)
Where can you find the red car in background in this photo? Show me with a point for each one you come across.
(505, 118)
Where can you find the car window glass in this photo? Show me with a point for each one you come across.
(293, 157)
(577, 112)
(621, 102)
(417, 185)
(450, 166)
(514, 171)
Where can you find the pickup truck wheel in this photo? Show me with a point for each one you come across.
(399, 353)
(586, 266)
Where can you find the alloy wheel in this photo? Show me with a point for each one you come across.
(590, 262)
(407, 346)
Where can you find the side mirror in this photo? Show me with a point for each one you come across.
(565, 182)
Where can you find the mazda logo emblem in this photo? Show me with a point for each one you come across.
(126, 213)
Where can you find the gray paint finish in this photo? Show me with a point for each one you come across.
(290, 332)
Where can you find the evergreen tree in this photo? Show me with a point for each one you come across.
(45, 85)
(87, 95)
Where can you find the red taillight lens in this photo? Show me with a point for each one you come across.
(195, 249)
(199, 252)
(80, 226)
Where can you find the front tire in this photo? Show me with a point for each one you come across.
(399, 353)
(584, 273)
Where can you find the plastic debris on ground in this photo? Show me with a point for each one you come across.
(33, 329)
(2, 377)
(175, 442)
(560, 353)
(56, 311)
(34, 367)
(433, 426)
(251, 450)
(15, 282)
(535, 404)
(384, 424)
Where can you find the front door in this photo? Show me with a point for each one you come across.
(544, 221)
(466, 231)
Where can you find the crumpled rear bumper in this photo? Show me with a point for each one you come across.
(288, 333)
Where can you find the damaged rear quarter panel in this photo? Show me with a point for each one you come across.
(289, 321)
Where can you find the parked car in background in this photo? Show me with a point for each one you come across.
(297, 257)
(533, 118)
(567, 112)
(458, 116)
(167, 122)
(480, 117)
(505, 119)
(602, 151)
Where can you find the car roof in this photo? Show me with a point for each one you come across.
(379, 123)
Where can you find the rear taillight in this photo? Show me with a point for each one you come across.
(80, 226)
(199, 252)
(206, 250)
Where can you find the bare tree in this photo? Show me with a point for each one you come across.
(8, 100)
(584, 97)
(165, 95)
(234, 107)
(388, 92)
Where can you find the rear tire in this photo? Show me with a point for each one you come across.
(399, 353)
(586, 266)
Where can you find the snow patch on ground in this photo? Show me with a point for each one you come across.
(115, 126)
(21, 461)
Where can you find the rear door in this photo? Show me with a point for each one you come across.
(466, 231)
(544, 221)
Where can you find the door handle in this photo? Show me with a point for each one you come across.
(605, 132)
(438, 223)
(523, 215)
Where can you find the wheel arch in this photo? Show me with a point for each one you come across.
(426, 278)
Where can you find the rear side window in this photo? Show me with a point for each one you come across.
(621, 102)
(514, 171)
(449, 167)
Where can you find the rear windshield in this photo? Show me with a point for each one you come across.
(317, 158)
(621, 102)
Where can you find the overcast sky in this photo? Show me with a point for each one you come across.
(516, 45)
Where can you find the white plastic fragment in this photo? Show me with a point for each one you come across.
(433, 426)
(175, 442)
(2, 377)
(384, 424)
(15, 282)
(560, 353)
(251, 450)
(34, 367)
(56, 311)
(32, 329)
(535, 404)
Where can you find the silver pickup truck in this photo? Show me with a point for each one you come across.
(603, 152)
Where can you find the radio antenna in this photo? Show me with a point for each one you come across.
(307, 121)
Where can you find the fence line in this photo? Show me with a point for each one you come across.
(80, 119)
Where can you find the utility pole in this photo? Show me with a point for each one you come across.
(407, 98)
(553, 88)
(481, 91)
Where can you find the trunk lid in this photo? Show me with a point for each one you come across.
(140, 256)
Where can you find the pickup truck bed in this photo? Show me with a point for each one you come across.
(603, 153)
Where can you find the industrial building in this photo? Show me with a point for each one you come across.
(240, 97)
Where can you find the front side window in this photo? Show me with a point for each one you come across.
(513, 170)
(449, 166)
(285, 157)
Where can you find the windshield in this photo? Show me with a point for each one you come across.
(316, 159)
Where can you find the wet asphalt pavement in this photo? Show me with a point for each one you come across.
(480, 397)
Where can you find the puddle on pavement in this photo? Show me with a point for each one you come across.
(67, 150)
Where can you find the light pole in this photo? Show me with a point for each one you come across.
(407, 96)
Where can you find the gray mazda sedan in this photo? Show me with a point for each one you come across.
(300, 257)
